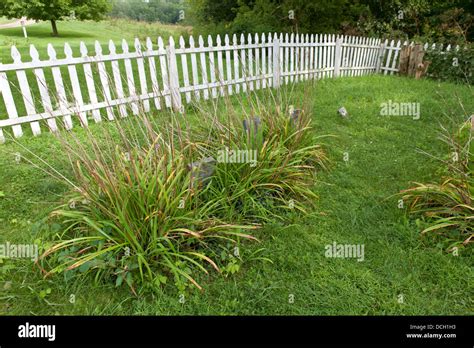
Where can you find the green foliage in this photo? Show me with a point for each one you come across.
(454, 65)
(152, 11)
(261, 16)
(448, 206)
(54, 10)
(433, 20)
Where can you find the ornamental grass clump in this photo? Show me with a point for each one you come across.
(135, 215)
(266, 165)
(155, 203)
(447, 207)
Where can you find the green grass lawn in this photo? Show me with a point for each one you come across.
(355, 206)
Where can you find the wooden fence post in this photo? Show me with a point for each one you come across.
(173, 76)
(416, 59)
(337, 57)
(380, 57)
(276, 63)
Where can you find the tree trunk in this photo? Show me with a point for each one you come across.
(55, 29)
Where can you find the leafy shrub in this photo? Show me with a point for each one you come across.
(448, 206)
(454, 65)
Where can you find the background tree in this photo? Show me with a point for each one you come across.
(165, 11)
(54, 10)
(426, 20)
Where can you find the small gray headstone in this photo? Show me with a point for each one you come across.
(295, 113)
(343, 112)
(256, 122)
(203, 169)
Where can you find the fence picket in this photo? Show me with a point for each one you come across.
(332, 54)
(10, 105)
(328, 56)
(164, 72)
(202, 57)
(365, 55)
(370, 50)
(375, 51)
(244, 63)
(76, 87)
(363, 64)
(350, 55)
(90, 83)
(264, 61)
(311, 57)
(130, 78)
(60, 91)
(117, 78)
(355, 51)
(142, 74)
(373, 44)
(389, 56)
(184, 66)
(250, 62)
(153, 74)
(172, 76)
(319, 56)
(25, 91)
(380, 56)
(358, 55)
(228, 63)
(287, 58)
(220, 66)
(270, 55)
(395, 58)
(302, 57)
(258, 71)
(354, 55)
(306, 57)
(292, 57)
(104, 80)
(276, 76)
(212, 66)
(194, 68)
(236, 63)
(325, 42)
(43, 88)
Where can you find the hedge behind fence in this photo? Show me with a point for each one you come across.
(454, 65)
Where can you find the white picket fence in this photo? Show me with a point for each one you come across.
(78, 89)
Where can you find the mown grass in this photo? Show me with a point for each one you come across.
(356, 206)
